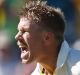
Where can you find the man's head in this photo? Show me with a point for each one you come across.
(41, 29)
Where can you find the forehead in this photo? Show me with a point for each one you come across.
(24, 23)
(27, 25)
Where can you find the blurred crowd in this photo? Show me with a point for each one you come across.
(9, 52)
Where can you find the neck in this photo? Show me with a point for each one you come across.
(50, 63)
(49, 69)
(49, 60)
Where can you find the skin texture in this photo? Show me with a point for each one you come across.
(40, 46)
(28, 38)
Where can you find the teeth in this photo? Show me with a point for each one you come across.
(20, 44)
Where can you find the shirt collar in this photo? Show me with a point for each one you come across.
(64, 51)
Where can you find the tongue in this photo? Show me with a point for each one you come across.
(25, 54)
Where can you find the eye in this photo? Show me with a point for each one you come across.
(21, 32)
(25, 32)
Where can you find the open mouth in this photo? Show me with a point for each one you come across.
(25, 54)
(23, 49)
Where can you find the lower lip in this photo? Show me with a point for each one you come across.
(25, 54)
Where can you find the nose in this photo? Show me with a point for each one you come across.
(18, 36)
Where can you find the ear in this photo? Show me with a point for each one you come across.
(48, 38)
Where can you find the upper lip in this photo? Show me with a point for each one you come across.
(21, 45)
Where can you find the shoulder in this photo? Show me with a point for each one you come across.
(74, 61)
(74, 55)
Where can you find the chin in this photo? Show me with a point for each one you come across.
(24, 61)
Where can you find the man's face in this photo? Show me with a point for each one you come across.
(29, 40)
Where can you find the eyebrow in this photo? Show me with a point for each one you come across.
(23, 29)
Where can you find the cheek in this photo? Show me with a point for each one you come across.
(27, 38)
